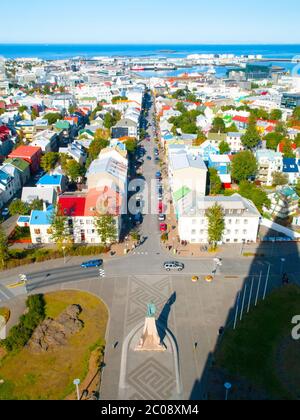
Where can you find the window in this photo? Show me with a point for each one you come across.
(194, 221)
(246, 222)
(229, 221)
(37, 231)
(245, 232)
(237, 222)
(237, 232)
(228, 232)
(193, 232)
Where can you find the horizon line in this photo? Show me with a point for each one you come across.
(150, 43)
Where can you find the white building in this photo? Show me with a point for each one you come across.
(268, 162)
(241, 220)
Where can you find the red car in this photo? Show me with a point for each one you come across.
(160, 207)
(163, 227)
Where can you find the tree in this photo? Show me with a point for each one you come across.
(4, 255)
(255, 194)
(273, 140)
(22, 109)
(251, 138)
(215, 182)
(280, 178)
(111, 119)
(131, 145)
(201, 138)
(72, 109)
(224, 147)
(74, 170)
(296, 113)
(34, 114)
(53, 117)
(37, 204)
(244, 166)
(287, 149)
(59, 232)
(216, 225)
(18, 207)
(106, 228)
(218, 126)
(232, 129)
(276, 115)
(297, 187)
(95, 148)
(49, 161)
(281, 129)
(180, 107)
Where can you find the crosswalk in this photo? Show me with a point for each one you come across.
(5, 294)
(102, 273)
(140, 253)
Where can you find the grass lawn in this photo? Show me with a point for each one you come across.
(49, 376)
(5, 313)
(262, 351)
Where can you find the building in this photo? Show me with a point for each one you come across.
(47, 194)
(56, 181)
(125, 128)
(290, 100)
(284, 203)
(187, 170)
(22, 166)
(40, 225)
(30, 154)
(269, 162)
(241, 220)
(291, 170)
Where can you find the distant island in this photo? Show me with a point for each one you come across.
(168, 51)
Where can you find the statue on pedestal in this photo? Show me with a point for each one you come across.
(150, 340)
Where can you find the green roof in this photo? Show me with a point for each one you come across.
(89, 98)
(19, 163)
(217, 136)
(181, 193)
(62, 125)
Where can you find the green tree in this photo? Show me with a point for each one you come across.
(215, 182)
(251, 138)
(297, 187)
(37, 204)
(218, 126)
(296, 113)
(244, 166)
(34, 114)
(281, 129)
(111, 119)
(74, 170)
(4, 254)
(273, 140)
(95, 148)
(106, 228)
(22, 109)
(280, 178)
(181, 108)
(18, 207)
(72, 109)
(224, 147)
(287, 149)
(255, 194)
(297, 140)
(232, 129)
(59, 230)
(216, 225)
(49, 161)
(276, 115)
(53, 117)
(201, 138)
(131, 145)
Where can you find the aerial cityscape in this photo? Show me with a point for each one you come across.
(150, 205)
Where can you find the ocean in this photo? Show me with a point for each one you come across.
(63, 51)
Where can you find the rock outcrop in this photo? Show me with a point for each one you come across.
(53, 333)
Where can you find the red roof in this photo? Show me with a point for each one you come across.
(25, 151)
(282, 144)
(72, 206)
(241, 119)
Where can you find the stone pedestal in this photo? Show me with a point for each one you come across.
(150, 340)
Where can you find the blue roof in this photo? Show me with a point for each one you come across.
(24, 219)
(40, 217)
(50, 180)
(290, 166)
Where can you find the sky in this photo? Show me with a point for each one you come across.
(150, 21)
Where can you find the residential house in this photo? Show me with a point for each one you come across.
(125, 128)
(22, 166)
(76, 151)
(269, 162)
(219, 162)
(47, 140)
(241, 220)
(284, 203)
(30, 154)
(58, 182)
(47, 194)
(291, 169)
(40, 225)
(235, 142)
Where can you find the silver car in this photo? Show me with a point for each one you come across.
(173, 265)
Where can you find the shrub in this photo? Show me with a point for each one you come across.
(21, 333)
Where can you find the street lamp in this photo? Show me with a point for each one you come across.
(218, 263)
(243, 244)
(228, 387)
(76, 382)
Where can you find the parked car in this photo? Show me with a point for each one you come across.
(92, 264)
(5, 212)
(158, 175)
(149, 158)
(173, 265)
(163, 227)
(162, 217)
